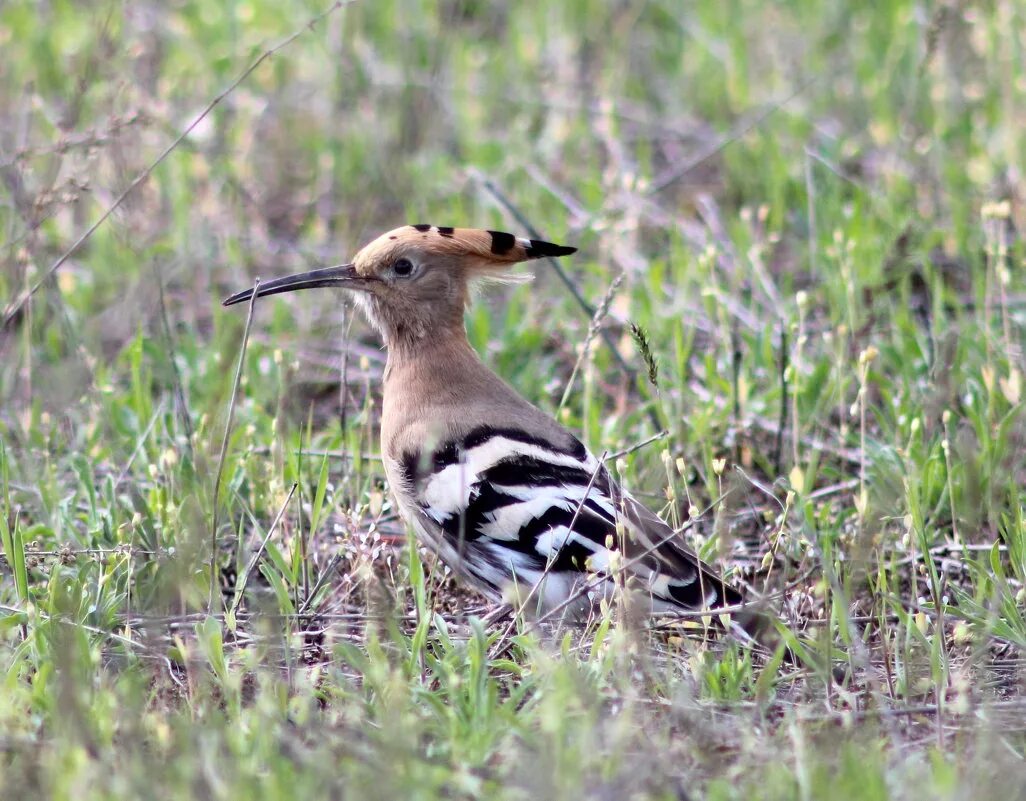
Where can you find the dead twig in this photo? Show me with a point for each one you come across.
(493, 189)
(14, 309)
(224, 446)
(244, 580)
(675, 174)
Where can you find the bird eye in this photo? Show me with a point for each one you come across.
(403, 267)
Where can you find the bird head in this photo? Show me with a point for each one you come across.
(415, 279)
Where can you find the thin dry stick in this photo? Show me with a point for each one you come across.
(676, 173)
(13, 310)
(37, 613)
(368, 457)
(343, 382)
(503, 200)
(810, 206)
(303, 534)
(638, 445)
(765, 490)
(322, 579)
(591, 584)
(593, 328)
(552, 556)
(224, 447)
(796, 372)
(493, 189)
(140, 444)
(241, 590)
(778, 445)
(737, 358)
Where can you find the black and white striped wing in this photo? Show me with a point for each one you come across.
(678, 575)
(501, 506)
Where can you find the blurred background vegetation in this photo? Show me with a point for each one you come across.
(809, 209)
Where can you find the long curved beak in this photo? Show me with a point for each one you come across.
(342, 275)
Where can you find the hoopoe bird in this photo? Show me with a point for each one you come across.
(501, 492)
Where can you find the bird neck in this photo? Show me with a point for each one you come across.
(441, 356)
(438, 385)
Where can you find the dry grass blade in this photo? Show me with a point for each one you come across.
(637, 446)
(139, 445)
(675, 174)
(224, 446)
(493, 189)
(14, 309)
(251, 565)
(551, 559)
(589, 585)
(593, 328)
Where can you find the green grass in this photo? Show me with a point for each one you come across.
(815, 210)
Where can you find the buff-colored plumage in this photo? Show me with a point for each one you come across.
(503, 493)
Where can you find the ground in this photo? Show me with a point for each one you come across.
(794, 324)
